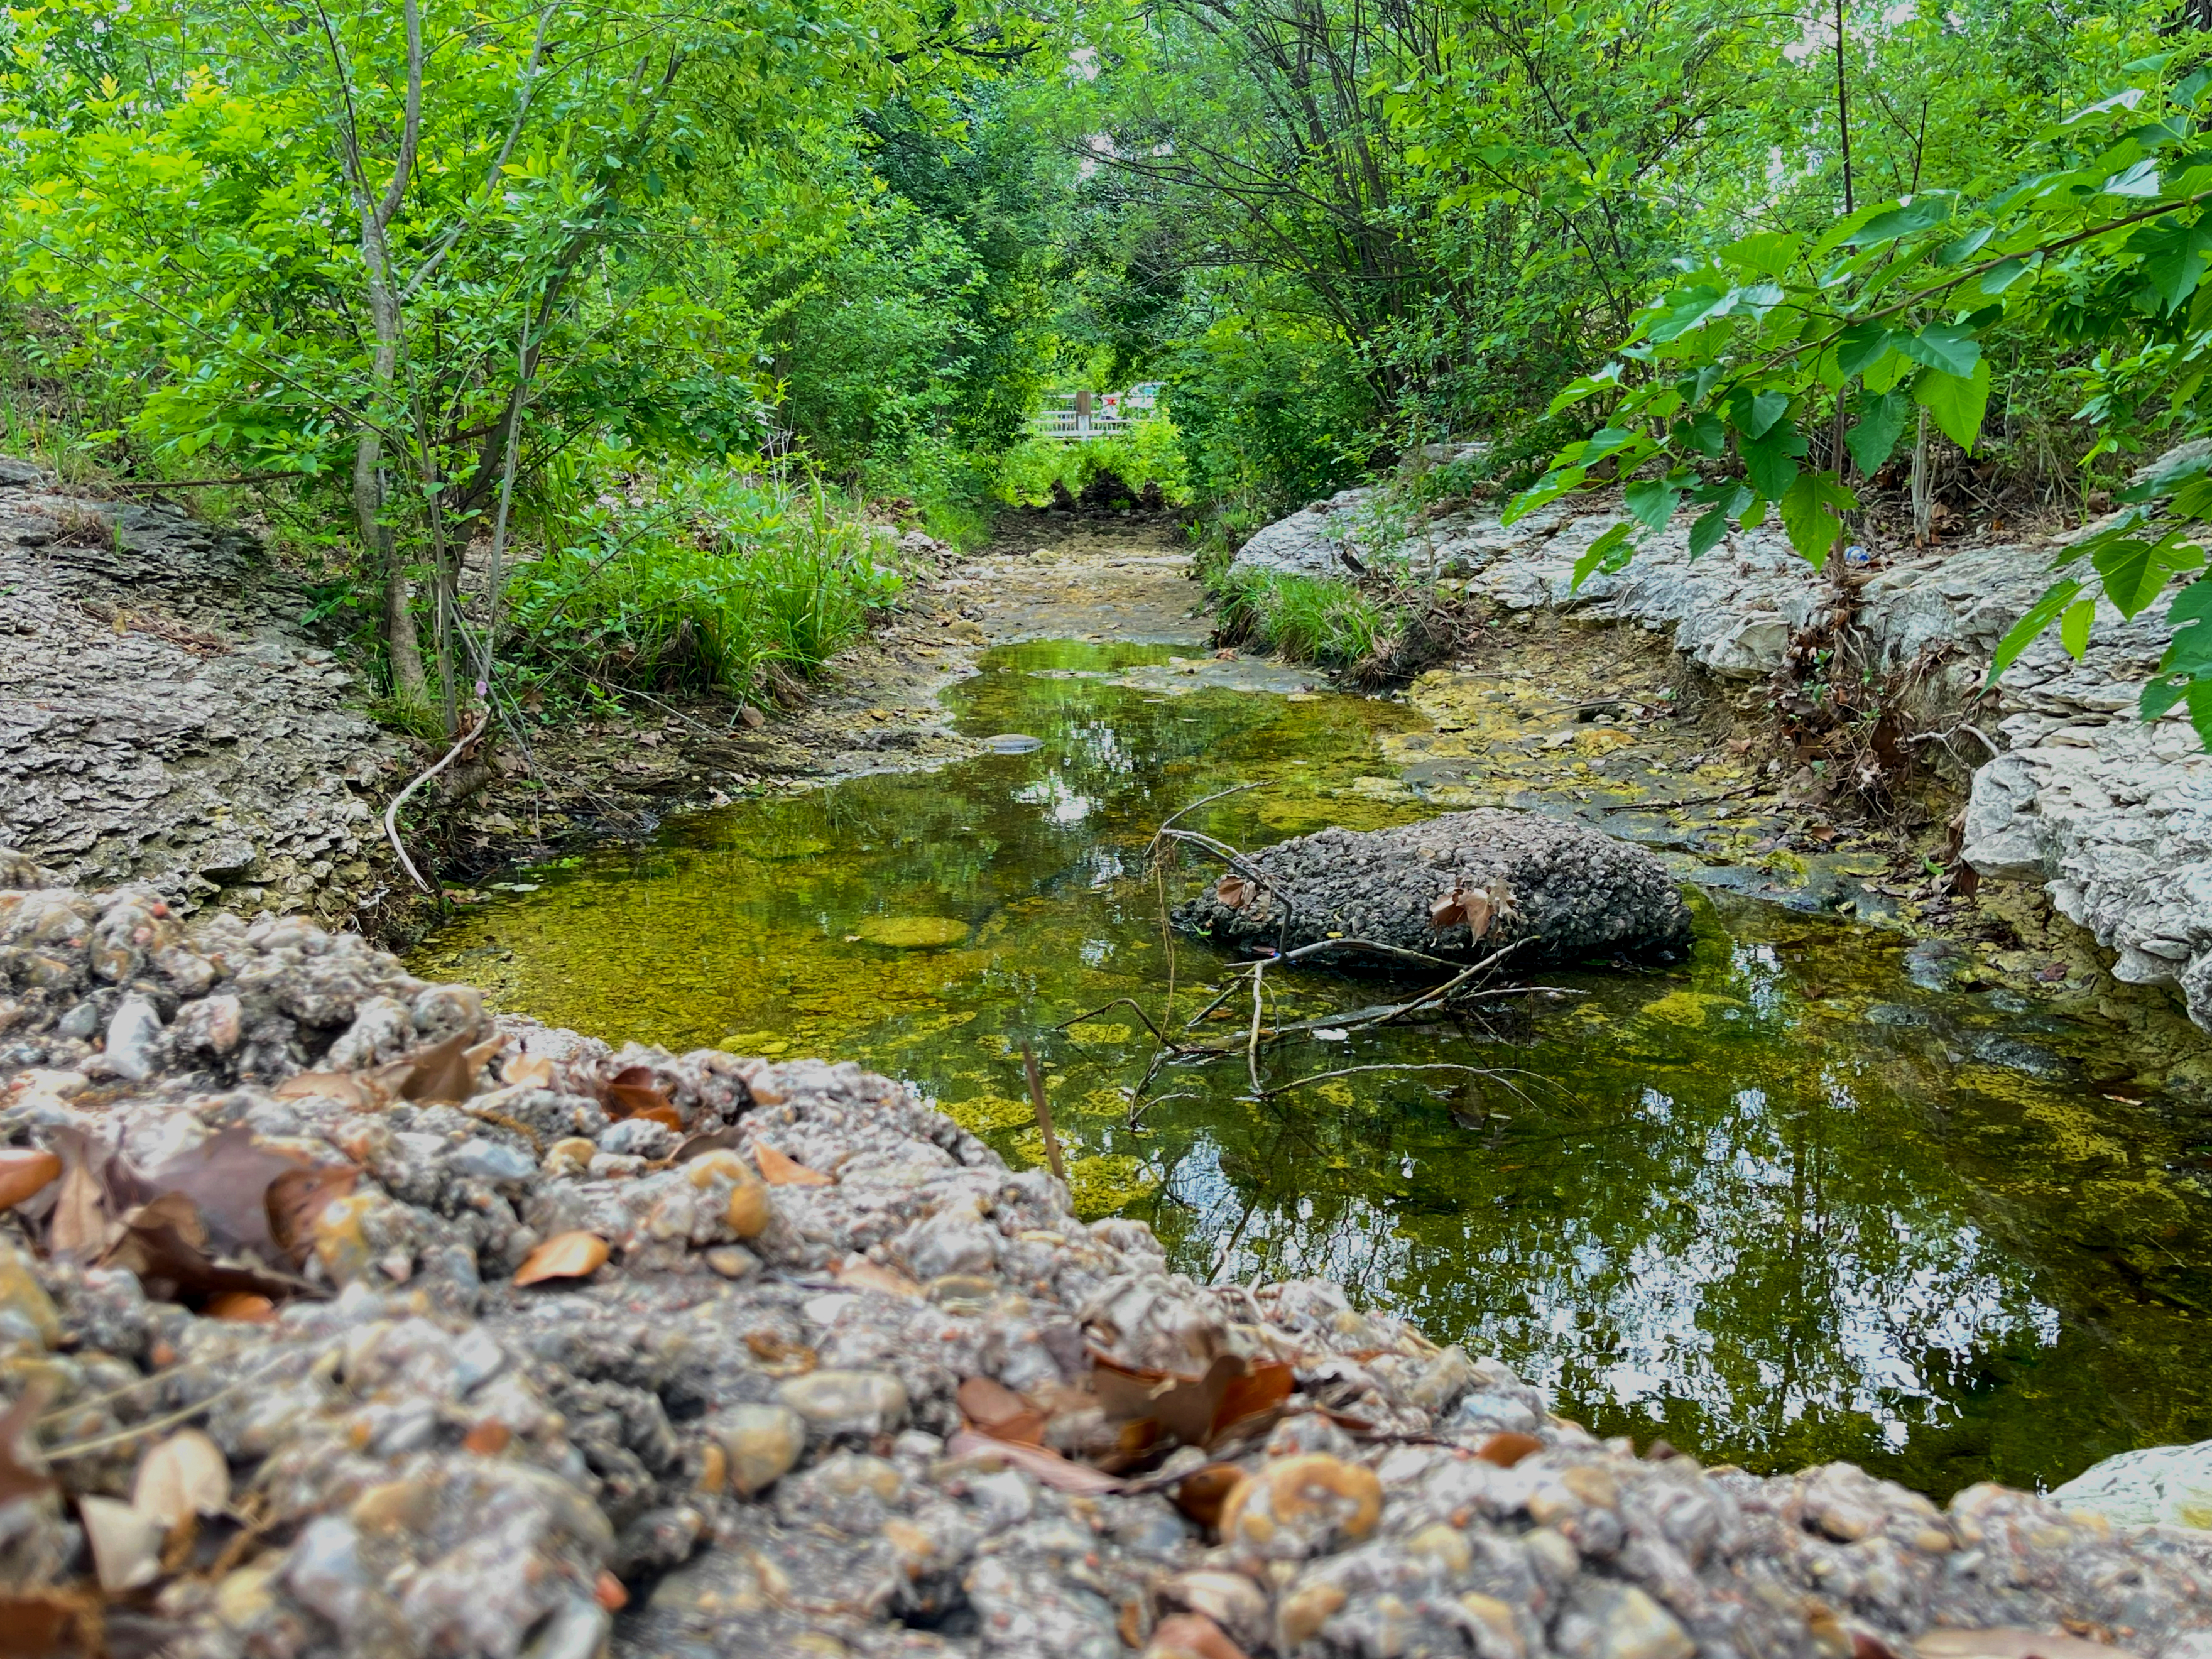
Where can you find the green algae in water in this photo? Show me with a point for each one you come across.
(1777, 1203)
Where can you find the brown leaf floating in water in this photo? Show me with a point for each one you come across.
(564, 1256)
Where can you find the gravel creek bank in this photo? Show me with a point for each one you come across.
(803, 1369)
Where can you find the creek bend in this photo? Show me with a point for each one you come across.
(1799, 1197)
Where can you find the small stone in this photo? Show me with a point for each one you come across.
(638, 1137)
(847, 1402)
(480, 1159)
(1303, 1613)
(1446, 1545)
(132, 1033)
(761, 1443)
(734, 1262)
(571, 1156)
(1607, 1621)
(27, 1312)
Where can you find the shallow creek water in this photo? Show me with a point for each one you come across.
(1799, 1197)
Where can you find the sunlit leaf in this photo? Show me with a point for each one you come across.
(564, 1256)
(1957, 403)
(2023, 632)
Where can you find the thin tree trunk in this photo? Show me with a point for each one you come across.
(1922, 506)
(1843, 111)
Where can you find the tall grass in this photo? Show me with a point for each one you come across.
(1300, 618)
(709, 580)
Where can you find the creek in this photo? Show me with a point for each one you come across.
(1804, 1196)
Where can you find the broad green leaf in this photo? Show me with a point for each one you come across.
(1772, 460)
(1881, 422)
(1702, 432)
(1923, 212)
(1862, 345)
(1957, 402)
(1561, 481)
(1651, 502)
(2074, 628)
(1950, 347)
(1754, 515)
(1958, 252)
(1809, 512)
(2002, 274)
(2022, 634)
(2136, 572)
(1583, 385)
(1755, 412)
(2174, 257)
(1706, 530)
(1610, 552)
(1771, 253)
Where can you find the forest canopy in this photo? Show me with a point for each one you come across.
(631, 317)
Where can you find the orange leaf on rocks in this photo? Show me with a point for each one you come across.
(1195, 1409)
(25, 1172)
(1048, 1465)
(22, 1473)
(1258, 1392)
(564, 1256)
(993, 1408)
(528, 1072)
(1203, 1491)
(1507, 1448)
(447, 1072)
(635, 1092)
(296, 1198)
(779, 1170)
(241, 1305)
(488, 1438)
(1191, 1636)
(667, 1115)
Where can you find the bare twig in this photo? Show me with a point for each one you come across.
(1129, 1003)
(1043, 1109)
(392, 812)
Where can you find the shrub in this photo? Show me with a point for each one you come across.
(1300, 618)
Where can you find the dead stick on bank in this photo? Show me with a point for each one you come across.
(1043, 1113)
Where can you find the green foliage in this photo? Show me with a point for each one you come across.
(1301, 619)
(1149, 451)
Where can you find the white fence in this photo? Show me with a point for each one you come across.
(1072, 417)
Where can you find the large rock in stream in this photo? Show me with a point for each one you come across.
(1459, 886)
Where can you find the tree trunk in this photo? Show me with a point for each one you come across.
(1923, 506)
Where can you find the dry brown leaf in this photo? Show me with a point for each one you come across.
(667, 1115)
(1047, 1465)
(707, 1140)
(528, 1072)
(866, 1275)
(779, 1170)
(165, 1244)
(488, 1438)
(242, 1307)
(1259, 1392)
(991, 1407)
(22, 1471)
(446, 1072)
(84, 1224)
(38, 1623)
(2010, 1642)
(564, 1256)
(635, 1092)
(25, 1172)
(1191, 1636)
(297, 1198)
(227, 1177)
(127, 1546)
(1233, 892)
(1204, 1492)
(347, 1088)
(1193, 1409)
(185, 1475)
(780, 1356)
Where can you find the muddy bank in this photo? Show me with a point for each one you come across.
(706, 1355)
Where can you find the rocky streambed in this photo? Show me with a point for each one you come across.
(342, 1318)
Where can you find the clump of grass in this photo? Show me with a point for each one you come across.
(723, 580)
(1301, 619)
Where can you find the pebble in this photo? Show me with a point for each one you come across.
(836, 1402)
(761, 1443)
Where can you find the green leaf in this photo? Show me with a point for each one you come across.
(1957, 402)
(1702, 432)
(2022, 634)
(1610, 552)
(1771, 461)
(1950, 347)
(1862, 346)
(1651, 502)
(1758, 414)
(2002, 274)
(2074, 628)
(1924, 212)
(2174, 257)
(1754, 515)
(1706, 531)
(2136, 572)
(1809, 514)
(1873, 436)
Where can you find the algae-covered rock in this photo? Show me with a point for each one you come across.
(1458, 886)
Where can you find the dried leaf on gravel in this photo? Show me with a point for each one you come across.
(991, 1407)
(2011, 1643)
(349, 1089)
(564, 1256)
(780, 1170)
(1508, 1448)
(1195, 1409)
(165, 1242)
(22, 1471)
(228, 1177)
(446, 1072)
(38, 1623)
(127, 1546)
(297, 1197)
(185, 1475)
(1204, 1492)
(1232, 891)
(1047, 1465)
(241, 1307)
(528, 1072)
(83, 1223)
(25, 1172)
(634, 1092)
